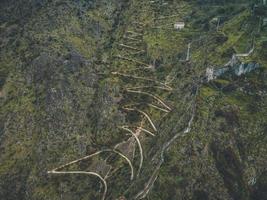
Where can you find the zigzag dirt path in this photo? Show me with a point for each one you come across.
(131, 41)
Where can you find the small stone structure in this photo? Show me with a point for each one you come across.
(210, 74)
(179, 25)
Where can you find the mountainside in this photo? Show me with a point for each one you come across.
(131, 99)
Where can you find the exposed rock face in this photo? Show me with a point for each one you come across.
(238, 70)
(245, 68)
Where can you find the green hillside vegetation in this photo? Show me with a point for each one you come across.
(79, 77)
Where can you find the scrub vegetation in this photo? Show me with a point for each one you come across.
(106, 99)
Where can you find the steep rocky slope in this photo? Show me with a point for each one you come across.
(106, 100)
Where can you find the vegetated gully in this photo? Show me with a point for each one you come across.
(149, 184)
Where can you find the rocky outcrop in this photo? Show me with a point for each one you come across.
(237, 70)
